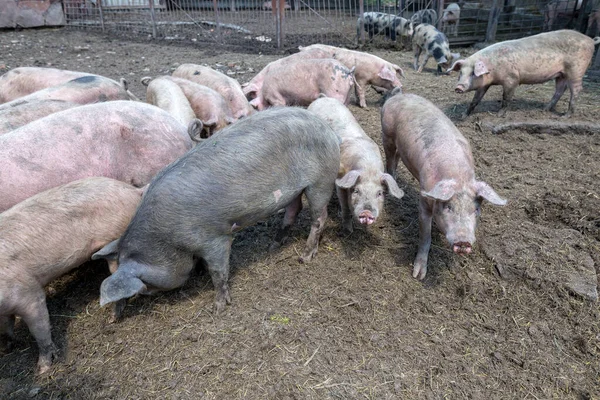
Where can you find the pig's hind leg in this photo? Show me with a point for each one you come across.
(318, 198)
(291, 212)
(561, 86)
(35, 314)
(216, 257)
(575, 87)
(507, 95)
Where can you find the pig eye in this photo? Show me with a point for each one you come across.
(356, 191)
(380, 193)
(448, 207)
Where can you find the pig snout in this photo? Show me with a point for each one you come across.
(460, 89)
(366, 217)
(462, 247)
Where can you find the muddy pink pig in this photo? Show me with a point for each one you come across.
(560, 55)
(301, 82)
(209, 106)
(167, 95)
(16, 117)
(369, 69)
(124, 140)
(85, 90)
(361, 181)
(227, 87)
(439, 157)
(48, 235)
(252, 88)
(20, 82)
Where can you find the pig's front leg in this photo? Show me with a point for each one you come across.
(359, 90)
(35, 315)
(217, 261)
(417, 51)
(342, 195)
(7, 333)
(479, 93)
(420, 264)
(425, 59)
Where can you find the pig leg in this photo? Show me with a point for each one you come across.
(420, 264)
(291, 212)
(507, 96)
(35, 315)
(479, 93)
(318, 198)
(561, 86)
(359, 90)
(391, 156)
(217, 261)
(575, 87)
(425, 59)
(7, 332)
(342, 195)
(417, 51)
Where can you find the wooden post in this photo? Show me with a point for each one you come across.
(101, 15)
(277, 23)
(282, 20)
(218, 23)
(361, 11)
(232, 5)
(579, 25)
(490, 34)
(440, 13)
(153, 17)
(596, 64)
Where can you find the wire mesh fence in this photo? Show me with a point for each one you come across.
(259, 25)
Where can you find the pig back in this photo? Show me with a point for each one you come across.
(16, 117)
(242, 174)
(428, 142)
(61, 227)
(123, 140)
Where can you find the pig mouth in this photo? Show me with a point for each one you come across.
(459, 90)
(462, 248)
(366, 218)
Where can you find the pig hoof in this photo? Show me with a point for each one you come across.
(419, 271)
(307, 257)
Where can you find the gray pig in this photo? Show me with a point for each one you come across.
(48, 235)
(439, 157)
(245, 173)
(560, 55)
(361, 180)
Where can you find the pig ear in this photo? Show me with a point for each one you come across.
(480, 68)
(120, 285)
(442, 60)
(108, 252)
(124, 84)
(455, 56)
(146, 80)
(348, 180)
(486, 192)
(399, 70)
(456, 66)
(386, 74)
(392, 186)
(443, 190)
(195, 130)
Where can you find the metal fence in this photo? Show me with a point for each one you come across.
(259, 25)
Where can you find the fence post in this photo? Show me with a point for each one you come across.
(440, 13)
(582, 10)
(218, 24)
(277, 23)
(282, 20)
(490, 34)
(153, 17)
(232, 5)
(361, 11)
(101, 15)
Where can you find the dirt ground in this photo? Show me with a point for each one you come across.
(505, 322)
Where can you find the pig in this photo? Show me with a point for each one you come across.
(85, 90)
(439, 157)
(254, 86)
(233, 180)
(22, 81)
(368, 69)
(427, 16)
(435, 44)
(208, 105)
(560, 55)
(450, 19)
(301, 82)
(46, 236)
(390, 25)
(24, 113)
(361, 179)
(124, 140)
(556, 8)
(167, 95)
(593, 25)
(229, 88)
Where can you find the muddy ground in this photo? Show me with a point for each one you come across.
(505, 322)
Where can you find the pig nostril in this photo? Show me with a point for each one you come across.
(462, 248)
(458, 90)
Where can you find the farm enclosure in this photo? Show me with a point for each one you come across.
(504, 322)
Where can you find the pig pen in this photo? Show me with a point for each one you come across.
(518, 318)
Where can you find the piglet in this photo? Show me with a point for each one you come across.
(48, 235)
(439, 157)
(361, 180)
